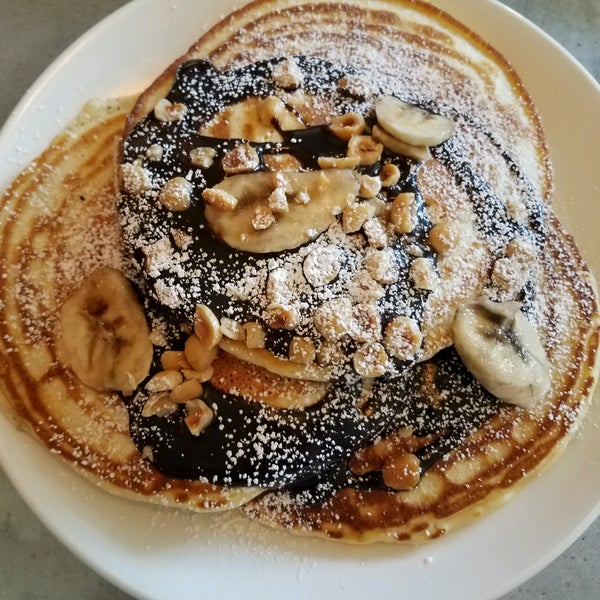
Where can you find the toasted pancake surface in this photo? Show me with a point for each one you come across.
(491, 181)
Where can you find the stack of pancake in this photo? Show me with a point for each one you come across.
(293, 274)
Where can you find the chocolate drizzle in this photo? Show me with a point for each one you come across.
(249, 444)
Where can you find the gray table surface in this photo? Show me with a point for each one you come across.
(33, 564)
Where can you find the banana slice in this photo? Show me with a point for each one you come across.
(502, 350)
(412, 124)
(267, 360)
(105, 336)
(328, 192)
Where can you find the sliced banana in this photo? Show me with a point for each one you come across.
(280, 366)
(105, 336)
(330, 191)
(502, 350)
(412, 124)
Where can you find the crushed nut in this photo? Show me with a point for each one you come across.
(182, 239)
(370, 360)
(389, 175)
(302, 197)
(186, 391)
(521, 250)
(159, 405)
(280, 316)
(332, 318)
(423, 274)
(365, 325)
(382, 265)
(348, 125)
(444, 237)
(166, 111)
(197, 354)
(154, 152)
(277, 200)
(255, 335)
(375, 233)
(322, 265)
(330, 353)
(232, 329)
(355, 216)
(164, 381)
(219, 199)
(301, 350)
(176, 194)
(365, 148)
(403, 214)
(243, 158)
(369, 186)
(201, 376)
(199, 416)
(135, 179)
(263, 218)
(287, 74)
(174, 360)
(402, 338)
(338, 162)
(354, 86)
(207, 326)
(203, 157)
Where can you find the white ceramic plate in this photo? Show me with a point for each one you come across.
(163, 554)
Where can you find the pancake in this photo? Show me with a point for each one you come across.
(322, 295)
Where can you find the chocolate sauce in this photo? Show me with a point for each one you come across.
(249, 444)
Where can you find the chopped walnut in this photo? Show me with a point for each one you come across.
(243, 158)
(402, 338)
(166, 111)
(176, 194)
